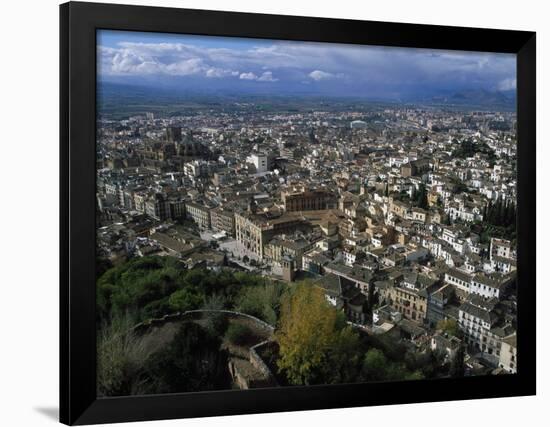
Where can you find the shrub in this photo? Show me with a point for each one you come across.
(193, 361)
(215, 323)
(262, 300)
(120, 356)
(237, 334)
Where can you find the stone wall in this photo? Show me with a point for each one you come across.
(258, 362)
(246, 373)
(197, 314)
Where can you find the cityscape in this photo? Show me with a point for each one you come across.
(272, 214)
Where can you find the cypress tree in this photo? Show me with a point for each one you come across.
(457, 364)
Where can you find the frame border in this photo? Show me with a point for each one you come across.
(78, 24)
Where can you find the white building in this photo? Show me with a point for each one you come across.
(476, 319)
(508, 354)
(502, 256)
(260, 161)
(459, 279)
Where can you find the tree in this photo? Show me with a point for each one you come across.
(215, 321)
(469, 147)
(193, 361)
(449, 326)
(459, 187)
(140, 286)
(312, 348)
(344, 358)
(421, 197)
(305, 334)
(372, 299)
(501, 213)
(184, 300)
(262, 300)
(375, 365)
(121, 355)
(151, 287)
(457, 363)
(238, 334)
(425, 362)
(102, 265)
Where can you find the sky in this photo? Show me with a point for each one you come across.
(209, 63)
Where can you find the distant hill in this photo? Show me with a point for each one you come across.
(110, 89)
(482, 98)
(123, 99)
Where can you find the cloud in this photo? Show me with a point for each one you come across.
(186, 67)
(319, 75)
(248, 76)
(267, 76)
(352, 68)
(507, 84)
(130, 61)
(220, 72)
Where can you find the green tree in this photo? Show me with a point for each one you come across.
(501, 213)
(425, 362)
(421, 197)
(121, 355)
(449, 326)
(262, 301)
(185, 299)
(344, 358)
(215, 321)
(457, 363)
(459, 187)
(154, 286)
(375, 365)
(238, 334)
(193, 361)
(138, 284)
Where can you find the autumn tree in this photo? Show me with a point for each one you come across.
(314, 345)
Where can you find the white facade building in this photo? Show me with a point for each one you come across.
(260, 161)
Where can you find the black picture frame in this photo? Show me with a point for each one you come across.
(78, 25)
